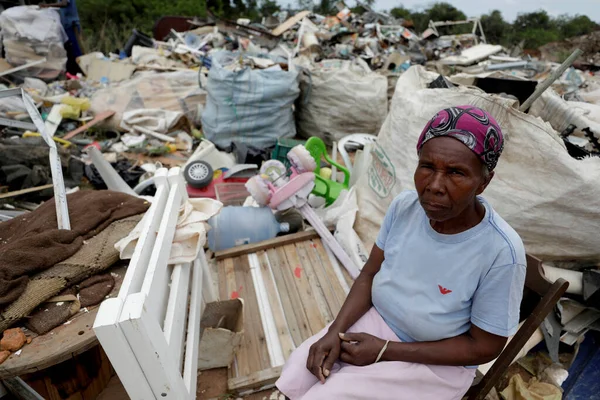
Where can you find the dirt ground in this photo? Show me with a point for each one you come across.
(212, 385)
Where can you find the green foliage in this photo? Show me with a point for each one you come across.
(575, 26)
(496, 29)
(401, 12)
(107, 24)
(269, 7)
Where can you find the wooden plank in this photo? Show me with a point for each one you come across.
(190, 367)
(266, 313)
(25, 191)
(155, 285)
(248, 353)
(233, 286)
(285, 339)
(341, 289)
(132, 283)
(259, 356)
(177, 310)
(223, 295)
(313, 281)
(254, 381)
(326, 254)
(325, 283)
(316, 322)
(267, 244)
(290, 22)
(147, 340)
(97, 119)
(292, 291)
(283, 293)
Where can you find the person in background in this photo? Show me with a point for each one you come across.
(69, 17)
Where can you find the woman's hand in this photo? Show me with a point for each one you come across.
(360, 348)
(322, 354)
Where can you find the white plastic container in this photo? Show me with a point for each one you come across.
(236, 226)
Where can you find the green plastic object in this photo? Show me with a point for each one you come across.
(326, 188)
(281, 149)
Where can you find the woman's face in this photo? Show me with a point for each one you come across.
(448, 177)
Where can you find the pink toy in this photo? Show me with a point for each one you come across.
(280, 190)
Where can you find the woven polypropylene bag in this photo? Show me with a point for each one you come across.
(548, 197)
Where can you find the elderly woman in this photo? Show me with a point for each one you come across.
(441, 290)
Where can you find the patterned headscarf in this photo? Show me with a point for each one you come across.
(474, 127)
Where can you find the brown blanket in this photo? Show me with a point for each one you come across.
(32, 242)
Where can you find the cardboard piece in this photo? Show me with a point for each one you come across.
(222, 328)
(113, 71)
(287, 25)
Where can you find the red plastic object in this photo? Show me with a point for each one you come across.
(209, 191)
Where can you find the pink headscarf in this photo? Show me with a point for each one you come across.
(474, 127)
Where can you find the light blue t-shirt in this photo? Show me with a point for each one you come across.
(433, 286)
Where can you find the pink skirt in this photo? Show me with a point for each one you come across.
(394, 380)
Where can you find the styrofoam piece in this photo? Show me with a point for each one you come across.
(575, 278)
(206, 151)
(111, 178)
(309, 214)
(361, 138)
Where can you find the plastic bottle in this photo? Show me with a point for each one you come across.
(236, 226)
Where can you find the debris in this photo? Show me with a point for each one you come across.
(533, 390)
(546, 84)
(24, 191)
(97, 119)
(13, 339)
(4, 354)
(30, 34)
(109, 71)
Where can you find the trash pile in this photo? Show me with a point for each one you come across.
(311, 116)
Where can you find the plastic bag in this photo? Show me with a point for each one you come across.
(548, 197)
(253, 107)
(174, 91)
(339, 98)
(29, 34)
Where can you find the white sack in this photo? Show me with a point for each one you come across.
(549, 198)
(339, 98)
(160, 121)
(30, 34)
(174, 91)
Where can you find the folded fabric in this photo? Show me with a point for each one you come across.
(32, 242)
(190, 233)
(59, 309)
(54, 312)
(96, 255)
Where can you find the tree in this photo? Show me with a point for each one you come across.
(400, 13)
(445, 12)
(306, 5)
(269, 7)
(534, 20)
(575, 26)
(496, 29)
(536, 28)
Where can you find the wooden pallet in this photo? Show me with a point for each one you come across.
(291, 290)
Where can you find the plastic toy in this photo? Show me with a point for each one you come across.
(281, 189)
(326, 188)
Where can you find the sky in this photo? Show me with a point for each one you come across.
(509, 8)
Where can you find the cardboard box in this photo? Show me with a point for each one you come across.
(221, 331)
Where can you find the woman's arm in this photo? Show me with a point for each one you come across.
(358, 301)
(471, 348)
(326, 351)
